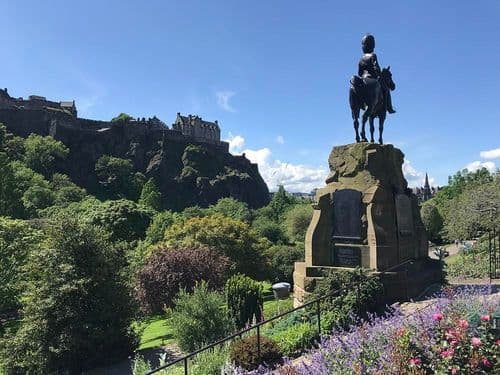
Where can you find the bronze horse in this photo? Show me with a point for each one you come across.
(369, 95)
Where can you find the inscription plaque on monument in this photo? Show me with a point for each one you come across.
(404, 215)
(347, 214)
(346, 256)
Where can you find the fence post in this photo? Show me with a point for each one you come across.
(185, 366)
(258, 344)
(318, 312)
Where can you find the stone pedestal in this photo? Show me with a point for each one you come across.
(366, 216)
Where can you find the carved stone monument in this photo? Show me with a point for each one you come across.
(367, 217)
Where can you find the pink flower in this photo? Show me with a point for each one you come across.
(448, 353)
(454, 371)
(437, 316)
(476, 341)
(497, 342)
(453, 343)
(463, 324)
(486, 362)
(485, 318)
(415, 361)
(452, 335)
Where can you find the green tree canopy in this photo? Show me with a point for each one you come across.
(231, 208)
(231, 237)
(297, 220)
(118, 177)
(17, 240)
(432, 219)
(43, 153)
(122, 117)
(76, 311)
(150, 195)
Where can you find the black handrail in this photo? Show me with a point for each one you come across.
(257, 326)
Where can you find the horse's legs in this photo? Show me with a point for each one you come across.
(363, 123)
(355, 117)
(381, 129)
(372, 128)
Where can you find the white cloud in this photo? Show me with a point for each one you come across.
(294, 177)
(414, 177)
(236, 143)
(280, 139)
(490, 154)
(223, 98)
(475, 165)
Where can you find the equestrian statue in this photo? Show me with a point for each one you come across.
(371, 91)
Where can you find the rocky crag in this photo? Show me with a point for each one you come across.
(189, 169)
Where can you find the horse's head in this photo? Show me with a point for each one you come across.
(387, 77)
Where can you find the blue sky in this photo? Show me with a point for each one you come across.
(274, 73)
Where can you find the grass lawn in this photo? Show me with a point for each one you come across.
(156, 331)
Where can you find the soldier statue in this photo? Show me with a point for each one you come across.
(370, 91)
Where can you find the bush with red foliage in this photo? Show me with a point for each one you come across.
(168, 270)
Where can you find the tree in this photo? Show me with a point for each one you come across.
(150, 195)
(199, 318)
(474, 211)
(122, 219)
(297, 220)
(43, 153)
(168, 270)
(280, 203)
(9, 196)
(432, 219)
(117, 176)
(231, 208)
(76, 311)
(232, 238)
(270, 229)
(17, 240)
(122, 117)
(65, 190)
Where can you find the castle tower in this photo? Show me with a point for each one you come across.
(427, 189)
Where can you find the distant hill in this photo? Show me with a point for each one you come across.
(189, 162)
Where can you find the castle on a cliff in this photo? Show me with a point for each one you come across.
(64, 116)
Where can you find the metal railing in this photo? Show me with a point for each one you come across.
(257, 326)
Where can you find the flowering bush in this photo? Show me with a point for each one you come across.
(451, 335)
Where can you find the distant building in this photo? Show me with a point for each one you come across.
(36, 102)
(425, 192)
(198, 129)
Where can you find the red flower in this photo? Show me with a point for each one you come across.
(463, 324)
(415, 361)
(485, 318)
(448, 353)
(476, 341)
(454, 371)
(486, 362)
(437, 316)
(497, 342)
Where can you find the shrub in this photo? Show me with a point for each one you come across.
(168, 270)
(281, 261)
(231, 237)
(161, 221)
(295, 338)
(244, 299)
(473, 265)
(340, 308)
(297, 220)
(244, 352)
(199, 318)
